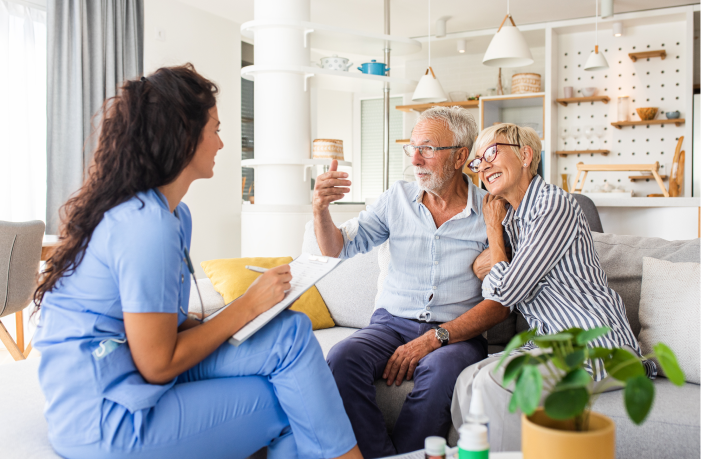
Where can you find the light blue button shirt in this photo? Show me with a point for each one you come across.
(430, 273)
(133, 263)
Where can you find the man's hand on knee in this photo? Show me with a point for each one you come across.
(402, 364)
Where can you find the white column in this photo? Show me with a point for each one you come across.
(282, 126)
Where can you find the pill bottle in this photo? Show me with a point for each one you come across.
(477, 415)
(434, 447)
(473, 441)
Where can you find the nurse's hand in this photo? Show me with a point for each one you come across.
(268, 289)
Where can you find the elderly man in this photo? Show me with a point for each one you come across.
(430, 315)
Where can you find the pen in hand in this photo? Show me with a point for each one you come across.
(253, 268)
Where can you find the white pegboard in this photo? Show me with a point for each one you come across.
(648, 83)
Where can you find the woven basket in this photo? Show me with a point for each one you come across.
(647, 113)
(329, 149)
(525, 83)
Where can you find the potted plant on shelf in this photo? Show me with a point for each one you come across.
(565, 427)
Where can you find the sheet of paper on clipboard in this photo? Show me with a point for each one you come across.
(306, 271)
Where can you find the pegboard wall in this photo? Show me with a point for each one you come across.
(648, 83)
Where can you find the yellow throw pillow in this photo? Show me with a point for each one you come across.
(231, 279)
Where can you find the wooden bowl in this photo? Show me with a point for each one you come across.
(647, 113)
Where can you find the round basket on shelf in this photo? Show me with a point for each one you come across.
(328, 149)
(525, 83)
(646, 113)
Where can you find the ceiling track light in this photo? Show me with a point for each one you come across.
(617, 29)
(461, 45)
(596, 60)
(441, 26)
(429, 88)
(508, 48)
(606, 8)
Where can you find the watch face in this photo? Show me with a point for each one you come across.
(442, 334)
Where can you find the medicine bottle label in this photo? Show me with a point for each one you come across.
(462, 453)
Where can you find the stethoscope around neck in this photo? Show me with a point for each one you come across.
(188, 261)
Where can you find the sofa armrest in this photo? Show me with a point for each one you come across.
(211, 299)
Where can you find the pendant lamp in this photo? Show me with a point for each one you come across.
(508, 47)
(429, 88)
(596, 60)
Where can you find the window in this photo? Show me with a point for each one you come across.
(371, 145)
(22, 111)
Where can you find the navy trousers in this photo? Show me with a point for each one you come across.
(359, 360)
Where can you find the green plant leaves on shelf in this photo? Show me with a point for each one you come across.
(587, 336)
(623, 365)
(529, 386)
(669, 364)
(638, 395)
(578, 378)
(566, 404)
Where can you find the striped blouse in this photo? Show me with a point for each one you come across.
(555, 278)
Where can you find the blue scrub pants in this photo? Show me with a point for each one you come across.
(273, 390)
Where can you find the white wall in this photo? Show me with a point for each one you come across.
(213, 45)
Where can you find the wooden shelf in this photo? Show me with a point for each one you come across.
(620, 124)
(647, 54)
(422, 107)
(246, 120)
(647, 168)
(571, 100)
(646, 177)
(563, 153)
(246, 149)
(402, 141)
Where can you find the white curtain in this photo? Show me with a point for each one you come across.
(22, 112)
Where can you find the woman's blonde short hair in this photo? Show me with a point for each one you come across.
(513, 135)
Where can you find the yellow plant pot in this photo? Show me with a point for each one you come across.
(543, 437)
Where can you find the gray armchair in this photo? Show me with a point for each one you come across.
(20, 252)
(590, 212)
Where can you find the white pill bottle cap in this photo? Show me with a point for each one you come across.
(435, 446)
(473, 437)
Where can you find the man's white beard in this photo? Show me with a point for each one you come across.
(436, 181)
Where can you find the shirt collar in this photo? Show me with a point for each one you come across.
(472, 199)
(531, 192)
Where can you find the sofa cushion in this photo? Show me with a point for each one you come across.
(669, 312)
(621, 257)
(327, 338)
(671, 430)
(211, 299)
(24, 432)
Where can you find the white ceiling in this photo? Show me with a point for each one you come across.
(409, 18)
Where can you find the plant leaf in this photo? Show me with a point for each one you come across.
(669, 364)
(638, 394)
(559, 363)
(598, 352)
(578, 378)
(623, 365)
(575, 359)
(513, 403)
(566, 404)
(514, 368)
(515, 342)
(546, 339)
(528, 389)
(591, 334)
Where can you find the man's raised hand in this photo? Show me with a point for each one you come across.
(330, 186)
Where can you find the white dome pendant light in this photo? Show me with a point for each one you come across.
(429, 88)
(508, 47)
(596, 60)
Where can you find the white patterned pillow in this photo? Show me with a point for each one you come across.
(669, 312)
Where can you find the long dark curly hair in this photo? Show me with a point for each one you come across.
(149, 133)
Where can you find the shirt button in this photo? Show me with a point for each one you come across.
(435, 263)
(499, 283)
(434, 288)
(428, 308)
(438, 237)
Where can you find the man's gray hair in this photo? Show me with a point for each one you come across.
(458, 120)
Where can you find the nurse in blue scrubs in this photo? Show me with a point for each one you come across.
(126, 373)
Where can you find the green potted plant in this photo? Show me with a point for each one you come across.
(565, 427)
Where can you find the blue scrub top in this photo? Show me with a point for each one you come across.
(134, 263)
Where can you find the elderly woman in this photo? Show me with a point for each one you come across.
(554, 277)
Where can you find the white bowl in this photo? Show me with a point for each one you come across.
(589, 92)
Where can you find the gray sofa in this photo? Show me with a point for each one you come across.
(671, 430)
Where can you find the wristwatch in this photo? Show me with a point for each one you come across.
(442, 335)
